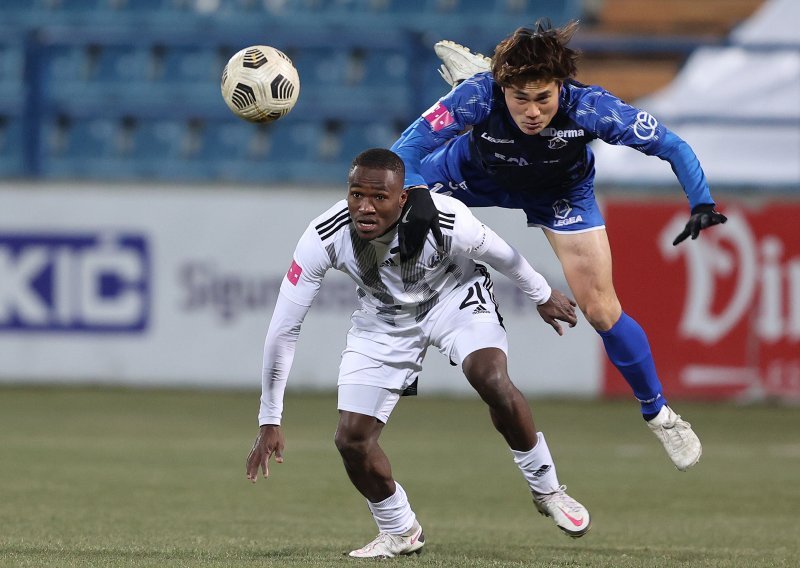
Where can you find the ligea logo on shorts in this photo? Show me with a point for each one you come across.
(74, 282)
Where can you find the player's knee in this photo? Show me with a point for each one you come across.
(602, 315)
(487, 372)
(352, 445)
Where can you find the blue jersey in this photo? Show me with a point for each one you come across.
(496, 157)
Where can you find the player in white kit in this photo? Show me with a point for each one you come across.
(439, 297)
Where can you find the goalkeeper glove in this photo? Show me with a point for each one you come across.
(419, 216)
(703, 217)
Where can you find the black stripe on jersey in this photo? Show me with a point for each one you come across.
(447, 220)
(488, 285)
(332, 224)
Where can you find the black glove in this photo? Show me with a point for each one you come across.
(703, 217)
(419, 216)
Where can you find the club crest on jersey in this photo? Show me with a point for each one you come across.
(562, 209)
(434, 260)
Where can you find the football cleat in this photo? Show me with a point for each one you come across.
(681, 443)
(459, 62)
(388, 545)
(568, 515)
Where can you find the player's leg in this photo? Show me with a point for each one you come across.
(586, 260)
(471, 334)
(370, 472)
(371, 381)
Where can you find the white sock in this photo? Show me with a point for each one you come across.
(393, 515)
(538, 468)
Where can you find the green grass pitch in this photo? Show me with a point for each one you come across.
(97, 477)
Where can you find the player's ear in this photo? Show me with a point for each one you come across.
(403, 197)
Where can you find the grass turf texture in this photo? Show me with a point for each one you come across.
(92, 477)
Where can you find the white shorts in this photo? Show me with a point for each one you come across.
(392, 360)
(372, 401)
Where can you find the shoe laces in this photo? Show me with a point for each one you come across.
(560, 498)
(380, 539)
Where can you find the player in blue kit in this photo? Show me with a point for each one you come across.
(526, 147)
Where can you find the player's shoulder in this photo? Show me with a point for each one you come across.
(575, 92)
(449, 209)
(333, 220)
(479, 86)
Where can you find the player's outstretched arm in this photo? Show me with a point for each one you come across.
(418, 217)
(703, 217)
(558, 307)
(269, 442)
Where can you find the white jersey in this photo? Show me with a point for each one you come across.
(395, 297)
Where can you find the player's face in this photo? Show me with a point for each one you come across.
(533, 104)
(375, 199)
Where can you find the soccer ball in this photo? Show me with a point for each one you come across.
(260, 84)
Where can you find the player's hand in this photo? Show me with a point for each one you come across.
(268, 442)
(558, 307)
(703, 217)
(419, 216)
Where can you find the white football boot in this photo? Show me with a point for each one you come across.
(679, 440)
(459, 62)
(388, 545)
(569, 515)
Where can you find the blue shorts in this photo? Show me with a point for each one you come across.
(570, 211)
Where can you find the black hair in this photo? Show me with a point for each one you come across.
(379, 159)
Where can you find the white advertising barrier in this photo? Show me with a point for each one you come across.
(174, 286)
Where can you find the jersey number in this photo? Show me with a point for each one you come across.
(473, 291)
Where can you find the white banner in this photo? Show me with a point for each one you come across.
(174, 286)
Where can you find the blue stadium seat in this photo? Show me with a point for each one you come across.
(123, 63)
(161, 139)
(12, 62)
(95, 138)
(386, 67)
(11, 146)
(292, 141)
(66, 64)
(191, 64)
(326, 66)
(231, 140)
(355, 138)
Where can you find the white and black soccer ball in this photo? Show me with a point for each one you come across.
(260, 84)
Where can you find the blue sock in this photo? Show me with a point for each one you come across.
(627, 347)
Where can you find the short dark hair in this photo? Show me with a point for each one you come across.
(536, 54)
(379, 159)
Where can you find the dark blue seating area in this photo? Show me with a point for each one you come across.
(129, 89)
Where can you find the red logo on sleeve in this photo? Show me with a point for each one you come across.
(295, 270)
(439, 117)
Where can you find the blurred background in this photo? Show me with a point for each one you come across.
(144, 229)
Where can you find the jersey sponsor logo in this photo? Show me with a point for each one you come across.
(645, 126)
(520, 161)
(496, 140)
(293, 275)
(388, 262)
(480, 310)
(75, 282)
(556, 143)
(404, 220)
(438, 117)
(556, 133)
